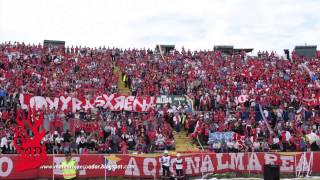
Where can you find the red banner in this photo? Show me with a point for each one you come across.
(146, 166)
(312, 102)
(113, 102)
(77, 125)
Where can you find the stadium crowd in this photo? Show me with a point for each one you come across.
(226, 90)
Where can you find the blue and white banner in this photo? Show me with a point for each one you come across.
(226, 136)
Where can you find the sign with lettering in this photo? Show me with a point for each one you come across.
(113, 102)
(147, 166)
(176, 100)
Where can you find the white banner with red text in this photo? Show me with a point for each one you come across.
(113, 102)
(148, 166)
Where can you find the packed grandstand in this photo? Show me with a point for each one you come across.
(239, 103)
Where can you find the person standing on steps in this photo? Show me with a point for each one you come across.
(179, 167)
(165, 162)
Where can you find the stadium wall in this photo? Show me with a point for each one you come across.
(148, 166)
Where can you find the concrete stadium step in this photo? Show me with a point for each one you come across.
(121, 85)
(184, 143)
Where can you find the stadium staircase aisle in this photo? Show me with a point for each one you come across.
(183, 142)
(121, 86)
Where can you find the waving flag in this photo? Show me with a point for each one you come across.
(313, 77)
(265, 120)
(110, 163)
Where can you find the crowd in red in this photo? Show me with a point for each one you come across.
(213, 80)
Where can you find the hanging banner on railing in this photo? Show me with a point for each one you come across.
(173, 100)
(113, 102)
(219, 136)
(140, 166)
(177, 100)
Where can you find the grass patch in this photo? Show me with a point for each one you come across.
(231, 175)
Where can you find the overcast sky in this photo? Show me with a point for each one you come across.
(194, 24)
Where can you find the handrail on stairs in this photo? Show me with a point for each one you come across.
(202, 150)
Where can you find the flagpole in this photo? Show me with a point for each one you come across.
(265, 120)
(52, 163)
(295, 164)
(105, 168)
